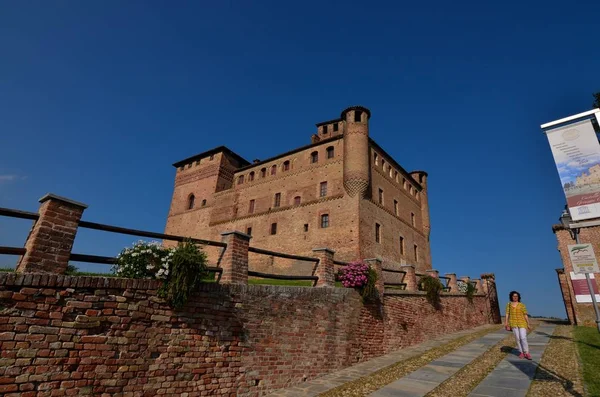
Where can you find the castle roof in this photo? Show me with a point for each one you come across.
(396, 165)
(322, 141)
(220, 149)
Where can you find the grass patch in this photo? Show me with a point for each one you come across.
(7, 270)
(270, 281)
(558, 373)
(91, 274)
(588, 344)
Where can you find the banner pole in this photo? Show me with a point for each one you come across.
(590, 286)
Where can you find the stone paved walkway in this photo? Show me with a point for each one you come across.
(428, 377)
(338, 378)
(512, 377)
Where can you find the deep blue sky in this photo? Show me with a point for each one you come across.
(98, 99)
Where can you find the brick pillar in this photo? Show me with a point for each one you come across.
(51, 238)
(564, 289)
(491, 294)
(325, 268)
(433, 273)
(235, 258)
(376, 264)
(452, 284)
(478, 285)
(410, 278)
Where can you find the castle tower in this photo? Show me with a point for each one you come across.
(421, 177)
(356, 150)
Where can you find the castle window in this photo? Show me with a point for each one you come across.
(306, 227)
(416, 248)
(240, 179)
(277, 202)
(330, 152)
(203, 202)
(251, 176)
(191, 201)
(314, 157)
(249, 231)
(377, 233)
(412, 218)
(325, 220)
(273, 170)
(273, 228)
(375, 158)
(286, 165)
(251, 207)
(335, 127)
(325, 129)
(263, 172)
(323, 189)
(401, 245)
(357, 116)
(380, 196)
(297, 200)
(396, 207)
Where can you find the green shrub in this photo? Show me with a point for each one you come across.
(186, 271)
(433, 288)
(470, 292)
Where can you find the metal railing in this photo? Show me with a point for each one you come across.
(284, 256)
(399, 285)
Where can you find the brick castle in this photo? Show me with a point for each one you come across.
(343, 192)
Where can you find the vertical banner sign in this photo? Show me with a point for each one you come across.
(583, 258)
(581, 288)
(576, 153)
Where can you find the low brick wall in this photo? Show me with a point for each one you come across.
(63, 335)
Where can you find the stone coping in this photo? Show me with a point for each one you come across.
(53, 196)
(47, 280)
(423, 293)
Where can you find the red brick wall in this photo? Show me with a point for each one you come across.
(580, 313)
(80, 335)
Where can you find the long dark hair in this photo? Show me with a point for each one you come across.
(510, 295)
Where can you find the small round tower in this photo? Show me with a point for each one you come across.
(356, 150)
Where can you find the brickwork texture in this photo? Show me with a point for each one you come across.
(63, 335)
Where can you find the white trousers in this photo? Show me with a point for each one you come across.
(521, 336)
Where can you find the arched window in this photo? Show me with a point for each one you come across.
(273, 170)
(297, 200)
(191, 201)
(240, 179)
(263, 172)
(203, 202)
(330, 152)
(286, 165)
(325, 220)
(314, 157)
(251, 176)
(357, 116)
